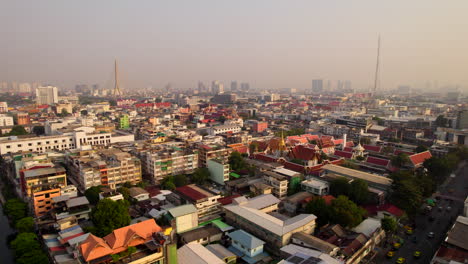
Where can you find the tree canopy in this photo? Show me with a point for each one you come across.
(180, 180)
(109, 215)
(28, 249)
(92, 194)
(359, 191)
(389, 224)
(320, 209)
(420, 149)
(339, 186)
(15, 209)
(441, 121)
(400, 160)
(200, 176)
(25, 225)
(18, 131)
(237, 162)
(345, 212)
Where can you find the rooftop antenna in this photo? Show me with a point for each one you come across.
(116, 92)
(377, 66)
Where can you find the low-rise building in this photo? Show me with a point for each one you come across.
(139, 194)
(197, 254)
(246, 244)
(315, 186)
(278, 182)
(224, 129)
(204, 200)
(184, 217)
(274, 231)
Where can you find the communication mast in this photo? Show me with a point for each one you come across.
(377, 66)
(116, 92)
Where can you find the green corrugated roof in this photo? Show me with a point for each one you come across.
(235, 175)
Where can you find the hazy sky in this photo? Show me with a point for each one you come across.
(271, 44)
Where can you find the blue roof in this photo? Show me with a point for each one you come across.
(246, 239)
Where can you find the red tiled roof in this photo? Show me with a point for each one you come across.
(294, 167)
(348, 149)
(338, 141)
(349, 144)
(372, 148)
(343, 154)
(390, 208)
(190, 193)
(228, 199)
(264, 157)
(304, 153)
(418, 159)
(378, 161)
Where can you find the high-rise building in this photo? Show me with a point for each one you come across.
(217, 87)
(234, 86)
(46, 95)
(317, 86)
(348, 86)
(24, 88)
(245, 87)
(462, 119)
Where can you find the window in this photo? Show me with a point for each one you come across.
(47, 142)
(29, 144)
(8, 146)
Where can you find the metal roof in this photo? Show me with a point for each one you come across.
(247, 240)
(183, 210)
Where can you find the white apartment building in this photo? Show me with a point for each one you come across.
(224, 129)
(46, 95)
(6, 120)
(73, 140)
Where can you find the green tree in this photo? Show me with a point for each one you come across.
(25, 225)
(127, 184)
(92, 194)
(25, 242)
(339, 186)
(359, 191)
(64, 112)
(38, 130)
(201, 175)
(400, 160)
(320, 209)
(420, 149)
(125, 192)
(253, 147)
(441, 121)
(236, 161)
(131, 251)
(15, 209)
(109, 215)
(438, 168)
(18, 131)
(345, 212)
(379, 120)
(389, 224)
(180, 180)
(35, 256)
(407, 195)
(222, 119)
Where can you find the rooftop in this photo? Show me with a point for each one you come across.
(245, 239)
(357, 174)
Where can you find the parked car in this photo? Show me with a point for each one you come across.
(417, 254)
(431, 234)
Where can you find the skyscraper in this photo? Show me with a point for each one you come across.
(317, 86)
(245, 87)
(217, 87)
(46, 95)
(233, 86)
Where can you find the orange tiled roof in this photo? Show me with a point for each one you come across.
(119, 240)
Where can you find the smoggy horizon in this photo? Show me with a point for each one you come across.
(270, 44)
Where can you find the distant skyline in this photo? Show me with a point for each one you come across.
(270, 44)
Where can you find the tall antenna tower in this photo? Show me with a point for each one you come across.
(377, 66)
(116, 92)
